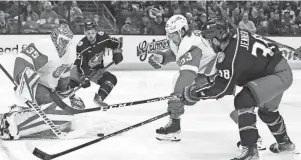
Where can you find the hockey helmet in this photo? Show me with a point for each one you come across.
(215, 28)
(61, 37)
(175, 24)
(90, 25)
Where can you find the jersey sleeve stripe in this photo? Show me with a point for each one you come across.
(189, 67)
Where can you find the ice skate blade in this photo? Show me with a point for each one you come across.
(168, 137)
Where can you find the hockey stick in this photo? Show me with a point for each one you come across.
(226, 16)
(45, 156)
(106, 67)
(69, 109)
(38, 110)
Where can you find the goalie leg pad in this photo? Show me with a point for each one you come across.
(106, 83)
(27, 87)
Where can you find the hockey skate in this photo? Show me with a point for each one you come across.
(248, 153)
(170, 132)
(98, 100)
(77, 103)
(286, 147)
(260, 145)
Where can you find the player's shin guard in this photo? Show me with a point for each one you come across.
(275, 123)
(106, 83)
(277, 126)
(247, 126)
(248, 134)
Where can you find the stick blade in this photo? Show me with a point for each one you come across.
(40, 154)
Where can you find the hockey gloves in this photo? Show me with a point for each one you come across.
(190, 95)
(175, 108)
(117, 56)
(155, 60)
(194, 92)
(86, 82)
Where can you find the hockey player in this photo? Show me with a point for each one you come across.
(246, 60)
(89, 63)
(38, 72)
(194, 55)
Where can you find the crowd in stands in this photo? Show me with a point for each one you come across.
(274, 18)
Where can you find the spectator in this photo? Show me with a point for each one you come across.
(246, 24)
(127, 28)
(298, 23)
(167, 14)
(288, 23)
(192, 24)
(4, 25)
(177, 11)
(248, 7)
(213, 11)
(49, 19)
(202, 20)
(61, 9)
(28, 13)
(158, 26)
(255, 18)
(29, 20)
(275, 7)
(145, 25)
(290, 11)
(37, 6)
(274, 25)
(75, 12)
(185, 7)
(194, 13)
(236, 16)
(13, 10)
(96, 20)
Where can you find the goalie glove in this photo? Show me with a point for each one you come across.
(28, 82)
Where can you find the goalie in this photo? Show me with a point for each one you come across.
(40, 71)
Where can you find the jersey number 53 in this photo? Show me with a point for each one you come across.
(185, 58)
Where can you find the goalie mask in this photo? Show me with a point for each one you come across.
(61, 38)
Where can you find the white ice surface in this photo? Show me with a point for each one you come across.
(207, 131)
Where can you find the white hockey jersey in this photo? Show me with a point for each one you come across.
(42, 56)
(195, 53)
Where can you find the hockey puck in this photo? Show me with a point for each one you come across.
(100, 134)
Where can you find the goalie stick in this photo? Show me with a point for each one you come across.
(38, 110)
(45, 156)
